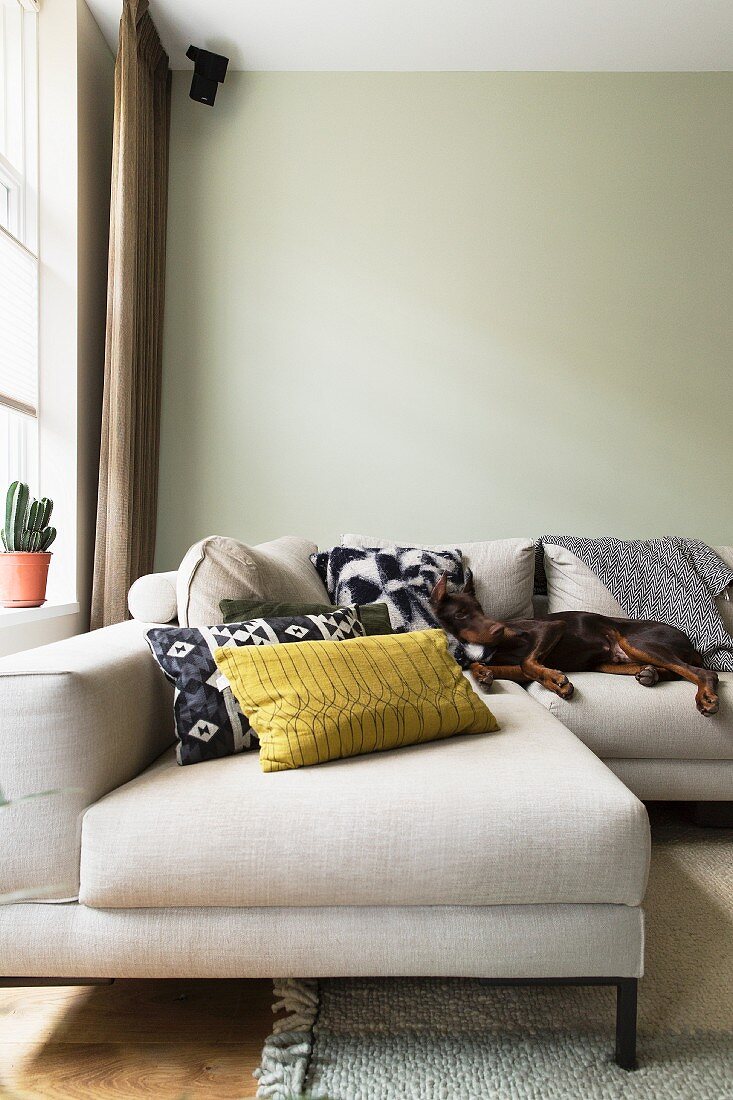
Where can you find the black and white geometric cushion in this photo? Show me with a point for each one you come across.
(402, 577)
(209, 721)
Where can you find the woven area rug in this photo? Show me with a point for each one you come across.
(460, 1039)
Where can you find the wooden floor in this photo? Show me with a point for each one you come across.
(168, 1040)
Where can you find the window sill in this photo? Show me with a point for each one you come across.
(19, 616)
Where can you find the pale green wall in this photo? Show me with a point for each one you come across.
(449, 306)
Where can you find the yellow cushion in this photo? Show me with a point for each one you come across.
(309, 702)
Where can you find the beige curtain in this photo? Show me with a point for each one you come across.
(128, 466)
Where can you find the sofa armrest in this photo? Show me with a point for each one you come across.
(152, 598)
(77, 718)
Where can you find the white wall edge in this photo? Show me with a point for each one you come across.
(11, 617)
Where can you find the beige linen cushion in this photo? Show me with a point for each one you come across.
(619, 719)
(527, 815)
(503, 570)
(572, 586)
(218, 568)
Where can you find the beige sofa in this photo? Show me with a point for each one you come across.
(518, 856)
(653, 739)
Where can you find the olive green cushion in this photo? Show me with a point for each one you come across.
(374, 616)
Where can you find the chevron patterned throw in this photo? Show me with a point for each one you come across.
(670, 580)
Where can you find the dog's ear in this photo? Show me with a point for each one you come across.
(468, 585)
(440, 591)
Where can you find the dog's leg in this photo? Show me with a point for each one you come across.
(647, 675)
(485, 675)
(533, 665)
(509, 672)
(551, 678)
(706, 681)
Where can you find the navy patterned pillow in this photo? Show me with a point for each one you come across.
(402, 577)
(209, 720)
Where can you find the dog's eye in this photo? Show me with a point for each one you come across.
(461, 614)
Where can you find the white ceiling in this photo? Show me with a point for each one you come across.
(437, 35)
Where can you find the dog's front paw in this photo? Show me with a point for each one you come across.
(559, 683)
(483, 676)
(648, 676)
(567, 690)
(707, 703)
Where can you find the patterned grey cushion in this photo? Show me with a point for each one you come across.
(400, 576)
(209, 721)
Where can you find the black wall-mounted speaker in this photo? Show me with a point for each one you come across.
(209, 71)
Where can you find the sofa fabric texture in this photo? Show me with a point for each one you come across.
(572, 586)
(310, 703)
(78, 719)
(209, 720)
(503, 571)
(618, 718)
(660, 780)
(527, 941)
(524, 816)
(218, 568)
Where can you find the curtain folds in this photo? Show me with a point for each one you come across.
(128, 465)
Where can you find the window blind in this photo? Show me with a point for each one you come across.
(18, 326)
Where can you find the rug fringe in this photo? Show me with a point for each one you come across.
(287, 1051)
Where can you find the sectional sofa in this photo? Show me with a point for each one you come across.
(518, 856)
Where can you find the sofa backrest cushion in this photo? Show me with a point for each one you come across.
(572, 586)
(218, 568)
(503, 571)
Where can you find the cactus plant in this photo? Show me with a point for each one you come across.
(26, 524)
(47, 536)
(16, 508)
(39, 514)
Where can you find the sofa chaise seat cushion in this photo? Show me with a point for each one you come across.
(619, 719)
(525, 815)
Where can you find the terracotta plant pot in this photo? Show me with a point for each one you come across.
(23, 578)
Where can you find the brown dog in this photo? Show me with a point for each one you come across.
(576, 641)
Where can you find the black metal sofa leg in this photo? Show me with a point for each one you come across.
(626, 995)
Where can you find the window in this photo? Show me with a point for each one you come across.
(18, 242)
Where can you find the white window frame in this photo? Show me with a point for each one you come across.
(19, 125)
